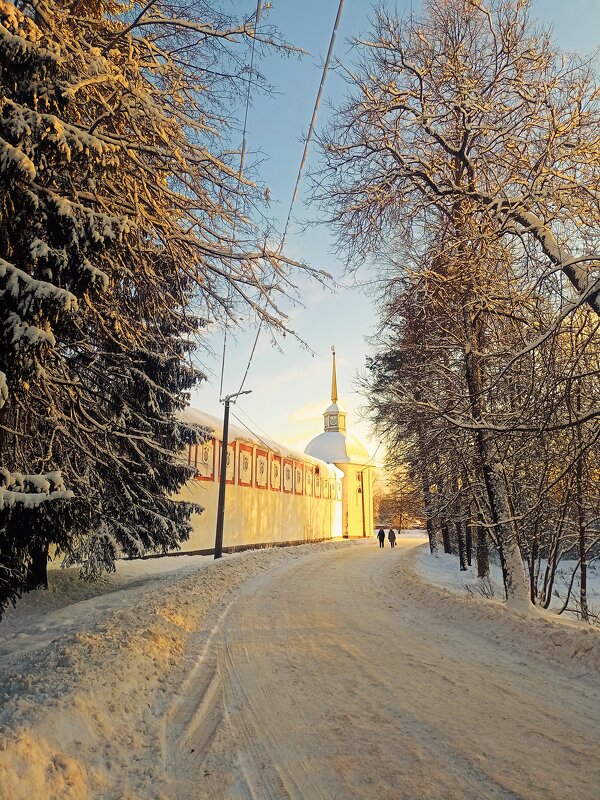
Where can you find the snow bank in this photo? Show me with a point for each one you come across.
(71, 604)
(547, 635)
(81, 714)
(444, 571)
(91, 671)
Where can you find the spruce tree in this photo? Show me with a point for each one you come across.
(116, 219)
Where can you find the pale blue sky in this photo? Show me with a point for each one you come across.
(290, 390)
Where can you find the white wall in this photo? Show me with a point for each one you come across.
(256, 514)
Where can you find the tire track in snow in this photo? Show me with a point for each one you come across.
(251, 742)
(191, 723)
(336, 683)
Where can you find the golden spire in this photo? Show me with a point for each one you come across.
(333, 379)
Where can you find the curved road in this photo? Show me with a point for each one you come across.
(340, 676)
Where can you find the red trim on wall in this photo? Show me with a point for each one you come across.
(264, 453)
(298, 467)
(317, 482)
(245, 448)
(287, 462)
(309, 471)
(275, 459)
(199, 476)
(232, 445)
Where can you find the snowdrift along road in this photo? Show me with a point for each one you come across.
(324, 671)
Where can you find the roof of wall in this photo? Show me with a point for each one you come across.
(242, 434)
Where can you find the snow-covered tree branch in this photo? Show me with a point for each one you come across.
(465, 164)
(126, 225)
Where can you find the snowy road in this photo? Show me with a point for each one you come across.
(339, 676)
(333, 670)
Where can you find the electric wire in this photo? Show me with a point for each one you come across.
(270, 443)
(313, 119)
(300, 168)
(254, 422)
(241, 170)
(260, 439)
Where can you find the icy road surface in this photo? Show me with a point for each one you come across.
(333, 670)
(341, 675)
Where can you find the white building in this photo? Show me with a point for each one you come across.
(277, 495)
(336, 446)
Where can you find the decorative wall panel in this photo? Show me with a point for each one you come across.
(288, 475)
(261, 474)
(298, 478)
(244, 465)
(308, 480)
(230, 471)
(205, 461)
(275, 472)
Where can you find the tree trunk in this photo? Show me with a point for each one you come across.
(433, 547)
(532, 570)
(483, 552)
(579, 502)
(583, 602)
(515, 580)
(469, 541)
(550, 573)
(426, 483)
(462, 545)
(37, 570)
(446, 538)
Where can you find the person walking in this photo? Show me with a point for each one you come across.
(381, 537)
(392, 537)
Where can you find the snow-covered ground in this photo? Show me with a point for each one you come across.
(71, 605)
(443, 570)
(322, 671)
(83, 668)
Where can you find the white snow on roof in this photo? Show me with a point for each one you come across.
(337, 448)
(241, 434)
(335, 408)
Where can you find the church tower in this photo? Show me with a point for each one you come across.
(334, 417)
(337, 447)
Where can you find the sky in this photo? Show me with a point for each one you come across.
(291, 383)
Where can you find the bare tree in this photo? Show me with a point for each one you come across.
(472, 103)
(467, 155)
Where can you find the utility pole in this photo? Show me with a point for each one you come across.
(223, 476)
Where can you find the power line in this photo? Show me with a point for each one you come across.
(313, 119)
(254, 433)
(260, 439)
(301, 167)
(242, 160)
(254, 422)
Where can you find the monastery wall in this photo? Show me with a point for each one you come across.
(272, 494)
